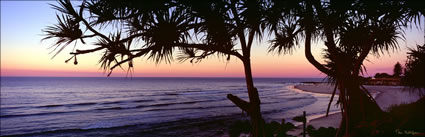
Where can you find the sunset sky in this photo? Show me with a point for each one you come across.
(24, 54)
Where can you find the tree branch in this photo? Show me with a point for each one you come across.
(204, 47)
(332, 97)
(330, 42)
(308, 55)
(132, 56)
(209, 48)
(87, 24)
(86, 51)
(311, 58)
(241, 33)
(88, 36)
(250, 40)
(242, 104)
(131, 37)
(365, 51)
(360, 59)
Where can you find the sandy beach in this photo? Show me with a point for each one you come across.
(385, 96)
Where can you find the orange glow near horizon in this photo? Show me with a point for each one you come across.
(263, 66)
(22, 53)
(39, 63)
(17, 61)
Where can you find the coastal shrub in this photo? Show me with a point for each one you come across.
(409, 117)
(240, 127)
(321, 132)
(272, 129)
(402, 120)
(275, 129)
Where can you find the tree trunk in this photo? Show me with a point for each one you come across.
(359, 108)
(257, 121)
(253, 106)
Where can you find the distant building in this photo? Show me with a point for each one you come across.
(384, 81)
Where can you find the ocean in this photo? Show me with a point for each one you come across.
(108, 106)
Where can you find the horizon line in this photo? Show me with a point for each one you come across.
(142, 77)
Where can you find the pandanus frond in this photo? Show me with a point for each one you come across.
(354, 36)
(66, 31)
(382, 37)
(66, 7)
(286, 38)
(386, 38)
(413, 10)
(164, 32)
(115, 50)
(341, 63)
(215, 27)
(186, 54)
(112, 12)
(272, 18)
(193, 56)
(103, 12)
(279, 10)
(252, 14)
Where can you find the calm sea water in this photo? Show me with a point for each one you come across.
(54, 106)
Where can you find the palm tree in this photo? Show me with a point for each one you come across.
(125, 30)
(350, 31)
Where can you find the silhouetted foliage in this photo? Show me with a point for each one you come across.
(414, 72)
(275, 129)
(126, 30)
(403, 120)
(364, 80)
(350, 30)
(321, 132)
(409, 117)
(272, 129)
(239, 127)
(397, 70)
(382, 75)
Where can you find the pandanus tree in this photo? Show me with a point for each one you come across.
(125, 30)
(414, 70)
(350, 31)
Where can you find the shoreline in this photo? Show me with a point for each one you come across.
(316, 120)
(315, 116)
(385, 96)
